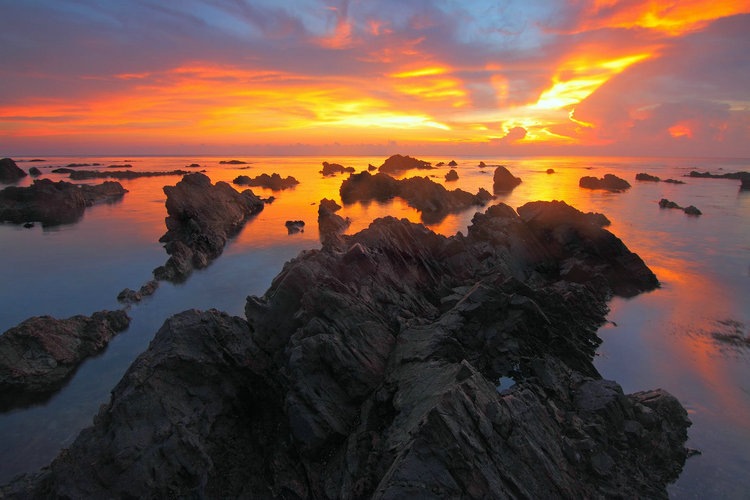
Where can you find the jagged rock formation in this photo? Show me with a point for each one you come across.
(53, 203)
(398, 164)
(503, 180)
(202, 217)
(9, 171)
(690, 210)
(430, 198)
(273, 182)
(330, 224)
(335, 168)
(744, 177)
(40, 354)
(369, 369)
(609, 182)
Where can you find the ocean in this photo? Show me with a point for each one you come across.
(684, 337)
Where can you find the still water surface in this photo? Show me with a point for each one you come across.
(666, 338)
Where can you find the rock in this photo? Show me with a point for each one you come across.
(9, 171)
(193, 165)
(40, 354)
(550, 170)
(673, 181)
(609, 182)
(430, 198)
(330, 224)
(116, 174)
(440, 164)
(646, 177)
(35, 160)
(371, 167)
(665, 203)
(503, 180)
(273, 182)
(369, 370)
(294, 226)
(744, 177)
(201, 218)
(482, 164)
(452, 163)
(128, 296)
(35, 172)
(398, 164)
(54, 203)
(745, 185)
(149, 288)
(335, 168)
(691, 210)
(127, 165)
(233, 162)
(452, 175)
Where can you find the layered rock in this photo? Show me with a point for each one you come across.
(273, 182)
(53, 203)
(398, 164)
(40, 354)
(335, 168)
(369, 369)
(9, 171)
(430, 198)
(201, 218)
(609, 182)
(503, 180)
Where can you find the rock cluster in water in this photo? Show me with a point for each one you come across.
(398, 164)
(370, 369)
(128, 296)
(690, 210)
(430, 198)
(652, 178)
(9, 171)
(503, 180)
(273, 182)
(335, 168)
(201, 218)
(609, 182)
(40, 354)
(744, 177)
(53, 203)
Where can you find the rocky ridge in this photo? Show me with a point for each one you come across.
(369, 369)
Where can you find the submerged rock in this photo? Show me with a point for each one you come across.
(398, 164)
(40, 354)
(369, 370)
(609, 182)
(335, 168)
(452, 175)
(54, 203)
(503, 180)
(202, 217)
(35, 172)
(9, 171)
(430, 198)
(273, 182)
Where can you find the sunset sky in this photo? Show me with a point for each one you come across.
(481, 77)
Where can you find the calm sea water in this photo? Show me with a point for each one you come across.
(666, 338)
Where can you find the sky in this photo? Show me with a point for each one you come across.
(514, 77)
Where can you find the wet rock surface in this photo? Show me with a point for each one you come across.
(40, 354)
(9, 171)
(503, 180)
(201, 218)
(369, 369)
(609, 182)
(398, 164)
(54, 203)
(430, 198)
(273, 182)
(335, 168)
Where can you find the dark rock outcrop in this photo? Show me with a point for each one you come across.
(744, 177)
(452, 163)
(440, 164)
(128, 296)
(550, 170)
(482, 164)
(35, 172)
(273, 182)
(126, 165)
(330, 224)
(54, 203)
(452, 175)
(294, 226)
(232, 162)
(430, 198)
(9, 171)
(335, 168)
(646, 177)
(673, 181)
(371, 167)
(609, 182)
(117, 174)
(40, 354)
(503, 180)
(201, 218)
(369, 370)
(193, 165)
(398, 164)
(690, 210)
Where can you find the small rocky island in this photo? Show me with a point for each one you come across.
(398, 164)
(201, 218)
(609, 182)
(503, 181)
(335, 168)
(274, 182)
(370, 368)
